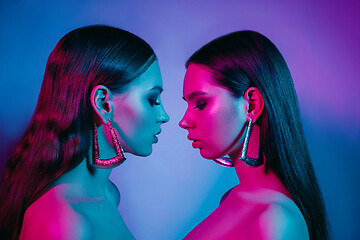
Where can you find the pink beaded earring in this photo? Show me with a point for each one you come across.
(111, 162)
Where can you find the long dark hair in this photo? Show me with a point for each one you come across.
(58, 136)
(246, 59)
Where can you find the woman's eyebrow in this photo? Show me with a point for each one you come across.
(157, 88)
(192, 95)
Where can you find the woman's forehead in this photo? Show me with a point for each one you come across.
(149, 80)
(199, 79)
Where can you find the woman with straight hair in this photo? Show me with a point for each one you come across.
(100, 97)
(242, 103)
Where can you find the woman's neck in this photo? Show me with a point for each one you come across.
(256, 178)
(84, 183)
(87, 183)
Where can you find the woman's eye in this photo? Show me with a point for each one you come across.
(153, 101)
(200, 106)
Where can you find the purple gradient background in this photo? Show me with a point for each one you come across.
(165, 195)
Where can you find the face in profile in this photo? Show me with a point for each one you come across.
(214, 118)
(139, 113)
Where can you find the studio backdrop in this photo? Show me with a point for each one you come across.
(165, 195)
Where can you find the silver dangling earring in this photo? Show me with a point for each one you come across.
(224, 161)
(111, 162)
(252, 162)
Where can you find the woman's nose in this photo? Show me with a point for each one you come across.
(164, 117)
(185, 122)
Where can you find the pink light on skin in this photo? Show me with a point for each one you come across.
(260, 207)
(62, 221)
(213, 118)
(67, 212)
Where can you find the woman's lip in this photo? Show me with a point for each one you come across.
(155, 139)
(191, 138)
(196, 144)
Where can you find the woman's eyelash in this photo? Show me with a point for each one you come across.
(153, 101)
(200, 106)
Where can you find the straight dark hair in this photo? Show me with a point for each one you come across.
(58, 137)
(244, 59)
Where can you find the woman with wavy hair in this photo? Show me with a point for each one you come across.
(242, 103)
(100, 97)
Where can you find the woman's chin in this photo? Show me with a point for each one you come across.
(144, 152)
(141, 152)
(208, 155)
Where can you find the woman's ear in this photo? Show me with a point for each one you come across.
(255, 103)
(99, 98)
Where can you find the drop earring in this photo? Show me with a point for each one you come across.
(252, 162)
(111, 162)
(224, 161)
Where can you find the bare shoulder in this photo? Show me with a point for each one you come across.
(113, 193)
(52, 217)
(282, 219)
